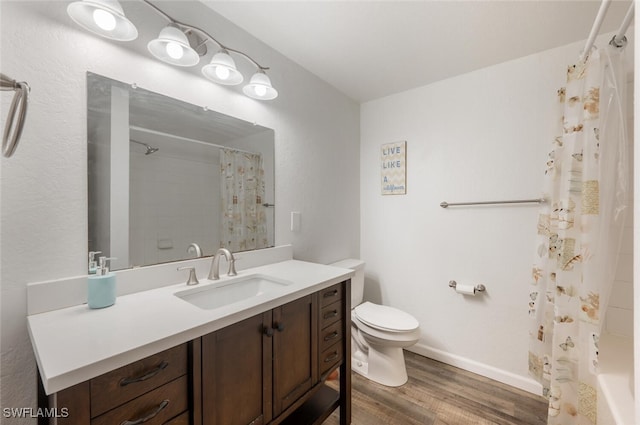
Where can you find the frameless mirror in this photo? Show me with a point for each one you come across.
(169, 180)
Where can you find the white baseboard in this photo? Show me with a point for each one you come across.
(521, 382)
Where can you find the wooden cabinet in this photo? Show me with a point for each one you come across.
(126, 383)
(155, 390)
(274, 364)
(295, 351)
(236, 373)
(332, 329)
(264, 364)
(267, 369)
(333, 341)
(155, 407)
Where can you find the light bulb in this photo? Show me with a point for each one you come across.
(104, 19)
(174, 50)
(261, 90)
(222, 72)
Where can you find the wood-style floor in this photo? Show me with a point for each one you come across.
(439, 394)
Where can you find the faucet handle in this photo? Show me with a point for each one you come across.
(232, 266)
(193, 279)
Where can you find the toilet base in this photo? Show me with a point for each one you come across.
(384, 365)
(360, 366)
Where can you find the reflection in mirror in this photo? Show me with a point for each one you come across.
(169, 180)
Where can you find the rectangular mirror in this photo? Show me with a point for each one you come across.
(169, 180)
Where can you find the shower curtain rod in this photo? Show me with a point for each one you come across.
(186, 139)
(618, 40)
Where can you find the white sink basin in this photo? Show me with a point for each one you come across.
(231, 291)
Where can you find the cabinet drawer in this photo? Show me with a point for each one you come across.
(330, 295)
(330, 314)
(180, 420)
(155, 407)
(330, 357)
(330, 335)
(128, 382)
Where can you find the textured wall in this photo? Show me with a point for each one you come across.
(44, 186)
(480, 136)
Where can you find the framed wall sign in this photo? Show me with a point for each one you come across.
(393, 169)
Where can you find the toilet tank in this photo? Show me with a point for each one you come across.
(357, 281)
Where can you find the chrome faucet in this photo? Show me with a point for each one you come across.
(194, 248)
(214, 273)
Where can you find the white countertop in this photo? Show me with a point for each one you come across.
(77, 343)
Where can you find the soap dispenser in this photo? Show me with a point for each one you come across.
(93, 264)
(102, 286)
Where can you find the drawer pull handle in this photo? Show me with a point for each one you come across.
(150, 416)
(330, 314)
(330, 293)
(331, 357)
(331, 336)
(126, 381)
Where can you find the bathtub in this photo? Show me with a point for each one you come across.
(615, 381)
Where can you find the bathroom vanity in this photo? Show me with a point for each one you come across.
(262, 360)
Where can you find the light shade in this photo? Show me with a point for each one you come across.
(222, 69)
(260, 87)
(172, 46)
(103, 17)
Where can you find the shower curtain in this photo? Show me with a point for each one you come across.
(579, 232)
(244, 220)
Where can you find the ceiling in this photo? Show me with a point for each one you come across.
(371, 49)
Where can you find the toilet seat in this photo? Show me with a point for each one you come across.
(385, 318)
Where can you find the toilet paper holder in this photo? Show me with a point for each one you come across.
(479, 287)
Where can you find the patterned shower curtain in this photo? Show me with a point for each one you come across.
(579, 232)
(244, 220)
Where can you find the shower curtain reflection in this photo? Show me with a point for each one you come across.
(244, 220)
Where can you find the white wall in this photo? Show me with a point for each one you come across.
(44, 186)
(480, 136)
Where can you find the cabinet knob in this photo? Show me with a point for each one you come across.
(279, 327)
(268, 331)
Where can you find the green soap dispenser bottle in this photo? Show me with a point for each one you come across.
(102, 286)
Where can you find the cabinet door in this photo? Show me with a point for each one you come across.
(295, 351)
(236, 373)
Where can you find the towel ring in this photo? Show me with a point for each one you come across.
(17, 114)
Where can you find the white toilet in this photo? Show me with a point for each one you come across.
(378, 334)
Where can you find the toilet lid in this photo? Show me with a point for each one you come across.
(385, 317)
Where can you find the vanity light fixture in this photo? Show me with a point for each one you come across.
(103, 17)
(222, 69)
(260, 87)
(172, 47)
(178, 44)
